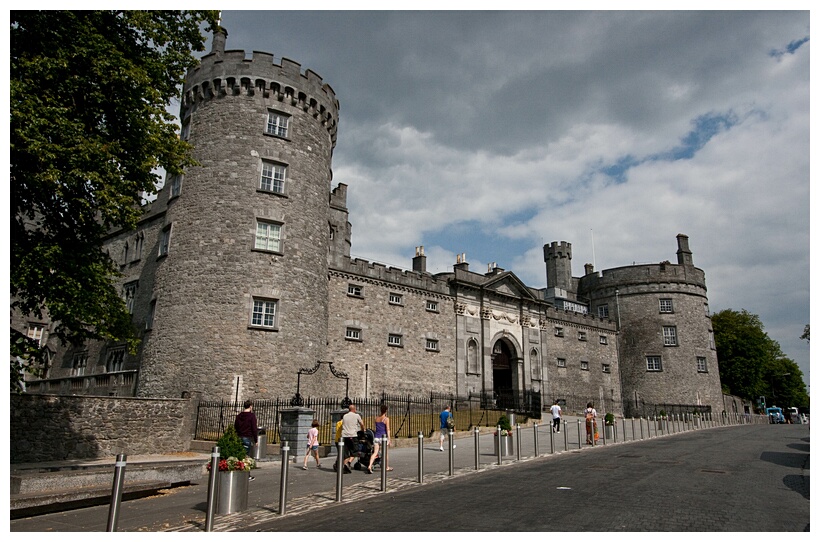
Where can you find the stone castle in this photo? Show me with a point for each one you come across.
(239, 275)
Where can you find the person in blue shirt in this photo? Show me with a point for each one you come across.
(445, 429)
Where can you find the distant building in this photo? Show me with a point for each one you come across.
(239, 275)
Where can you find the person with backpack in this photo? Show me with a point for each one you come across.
(447, 423)
(591, 415)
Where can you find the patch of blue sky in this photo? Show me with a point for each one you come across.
(480, 243)
(790, 49)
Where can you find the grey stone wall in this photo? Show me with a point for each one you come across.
(53, 428)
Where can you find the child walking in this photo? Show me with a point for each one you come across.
(312, 444)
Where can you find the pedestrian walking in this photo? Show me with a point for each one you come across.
(351, 424)
(247, 428)
(312, 444)
(382, 430)
(447, 423)
(591, 416)
(556, 417)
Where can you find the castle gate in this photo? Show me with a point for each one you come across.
(505, 374)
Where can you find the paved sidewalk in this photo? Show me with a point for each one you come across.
(184, 508)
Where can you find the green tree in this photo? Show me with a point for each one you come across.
(751, 363)
(89, 127)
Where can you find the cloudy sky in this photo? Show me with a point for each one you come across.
(493, 133)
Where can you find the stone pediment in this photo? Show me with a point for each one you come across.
(507, 283)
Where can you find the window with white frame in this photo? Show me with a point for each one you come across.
(353, 334)
(582, 335)
(354, 290)
(701, 364)
(268, 236)
(602, 339)
(396, 299)
(562, 362)
(559, 331)
(473, 366)
(605, 368)
(431, 345)
(670, 336)
(653, 363)
(394, 339)
(665, 305)
(164, 241)
(431, 306)
(35, 332)
(78, 363)
(273, 177)
(585, 366)
(129, 293)
(277, 124)
(603, 311)
(115, 359)
(264, 312)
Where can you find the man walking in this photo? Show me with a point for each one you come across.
(446, 418)
(351, 422)
(556, 417)
(247, 428)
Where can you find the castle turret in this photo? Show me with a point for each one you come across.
(558, 257)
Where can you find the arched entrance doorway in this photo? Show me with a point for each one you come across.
(503, 381)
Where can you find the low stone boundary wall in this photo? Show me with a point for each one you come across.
(58, 427)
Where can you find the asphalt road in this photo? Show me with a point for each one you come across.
(739, 478)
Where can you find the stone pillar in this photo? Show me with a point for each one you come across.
(295, 423)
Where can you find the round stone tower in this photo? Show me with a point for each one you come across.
(240, 294)
(666, 349)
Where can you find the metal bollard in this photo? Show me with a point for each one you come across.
(579, 434)
(640, 422)
(566, 438)
(633, 427)
(340, 465)
(283, 479)
(498, 442)
(476, 434)
(518, 441)
(116, 493)
(383, 452)
(535, 437)
(450, 450)
(421, 457)
(212, 482)
(623, 424)
(605, 426)
(552, 438)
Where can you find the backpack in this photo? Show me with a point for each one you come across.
(589, 415)
(451, 424)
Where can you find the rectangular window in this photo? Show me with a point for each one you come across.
(562, 362)
(129, 292)
(149, 318)
(79, 363)
(396, 299)
(670, 336)
(711, 339)
(653, 363)
(277, 124)
(114, 361)
(602, 339)
(666, 305)
(605, 368)
(603, 311)
(264, 313)
(353, 334)
(354, 290)
(164, 241)
(273, 177)
(35, 333)
(559, 331)
(394, 339)
(706, 308)
(431, 345)
(582, 335)
(701, 363)
(585, 366)
(268, 236)
(432, 306)
(176, 185)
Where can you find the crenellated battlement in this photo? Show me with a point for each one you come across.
(221, 74)
(400, 277)
(664, 272)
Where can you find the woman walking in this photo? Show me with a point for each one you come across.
(591, 416)
(382, 430)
